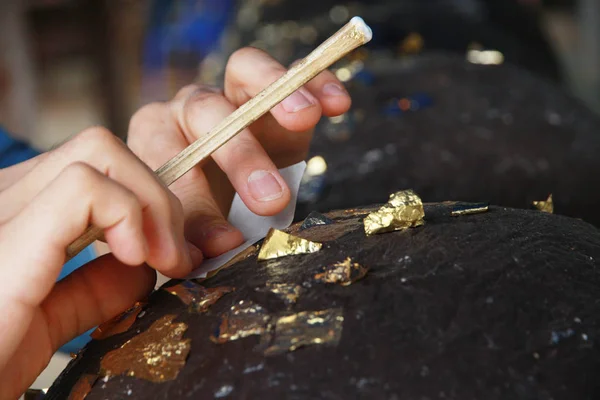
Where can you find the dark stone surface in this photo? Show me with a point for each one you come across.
(500, 305)
(315, 219)
(490, 133)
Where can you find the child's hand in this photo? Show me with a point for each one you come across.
(248, 163)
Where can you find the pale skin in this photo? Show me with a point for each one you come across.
(47, 202)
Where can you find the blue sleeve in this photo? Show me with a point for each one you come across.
(12, 152)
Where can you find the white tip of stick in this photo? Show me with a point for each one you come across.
(361, 24)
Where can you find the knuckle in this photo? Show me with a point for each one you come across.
(84, 177)
(202, 103)
(242, 54)
(186, 90)
(141, 116)
(97, 138)
(160, 198)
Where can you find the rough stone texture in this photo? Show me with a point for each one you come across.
(500, 305)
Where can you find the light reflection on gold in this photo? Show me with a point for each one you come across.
(404, 210)
(469, 209)
(412, 44)
(545, 206)
(243, 320)
(119, 324)
(288, 292)
(280, 244)
(156, 355)
(198, 297)
(344, 273)
(304, 329)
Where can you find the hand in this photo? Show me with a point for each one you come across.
(45, 204)
(248, 163)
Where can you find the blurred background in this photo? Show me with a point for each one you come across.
(69, 64)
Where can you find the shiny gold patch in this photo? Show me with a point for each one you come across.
(404, 210)
(83, 387)
(344, 273)
(243, 320)
(119, 324)
(156, 355)
(280, 244)
(469, 209)
(198, 297)
(305, 329)
(545, 206)
(288, 292)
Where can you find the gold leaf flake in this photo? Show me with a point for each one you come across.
(305, 329)
(469, 209)
(404, 210)
(243, 320)
(280, 244)
(197, 296)
(545, 206)
(119, 324)
(344, 273)
(156, 355)
(288, 292)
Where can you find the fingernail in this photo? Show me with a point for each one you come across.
(296, 101)
(264, 186)
(333, 89)
(216, 231)
(195, 254)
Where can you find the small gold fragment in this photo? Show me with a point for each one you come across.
(344, 273)
(469, 209)
(545, 206)
(156, 355)
(119, 324)
(196, 296)
(280, 244)
(306, 328)
(288, 292)
(243, 320)
(404, 210)
(83, 387)
(412, 44)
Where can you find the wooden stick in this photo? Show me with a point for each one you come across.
(351, 36)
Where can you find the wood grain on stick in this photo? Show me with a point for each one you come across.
(351, 36)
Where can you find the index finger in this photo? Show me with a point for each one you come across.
(296, 113)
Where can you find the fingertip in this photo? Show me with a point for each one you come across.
(334, 99)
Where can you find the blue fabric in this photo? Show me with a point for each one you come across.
(13, 152)
(190, 26)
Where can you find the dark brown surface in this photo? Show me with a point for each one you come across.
(501, 305)
(492, 133)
